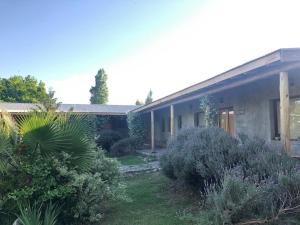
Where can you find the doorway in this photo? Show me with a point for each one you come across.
(227, 120)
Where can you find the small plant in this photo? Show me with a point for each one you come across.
(32, 215)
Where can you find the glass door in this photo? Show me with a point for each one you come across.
(227, 120)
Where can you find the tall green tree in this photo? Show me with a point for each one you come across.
(149, 98)
(99, 92)
(22, 89)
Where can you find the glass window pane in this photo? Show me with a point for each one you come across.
(295, 118)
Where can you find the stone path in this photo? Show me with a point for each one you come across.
(141, 168)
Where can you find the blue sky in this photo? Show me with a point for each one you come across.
(59, 38)
(165, 45)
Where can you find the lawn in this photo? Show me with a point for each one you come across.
(152, 203)
(136, 159)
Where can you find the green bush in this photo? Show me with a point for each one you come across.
(199, 156)
(107, 138)
(55, 160)
(137, 127)
(125, 146)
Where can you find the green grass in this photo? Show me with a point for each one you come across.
(135, 159)
(152, 203)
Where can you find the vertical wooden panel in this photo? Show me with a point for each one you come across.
(284, 111)
(172, 120)
(152, 131)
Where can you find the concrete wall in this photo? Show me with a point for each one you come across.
(253, 105)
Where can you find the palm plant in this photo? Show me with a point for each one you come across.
(47, 134)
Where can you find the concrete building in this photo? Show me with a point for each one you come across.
(259, 98)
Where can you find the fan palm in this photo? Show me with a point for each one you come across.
(48, 134)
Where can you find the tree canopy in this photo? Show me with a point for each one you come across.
(22, 89)
(139, 102)
(99, 92)
(149, 98)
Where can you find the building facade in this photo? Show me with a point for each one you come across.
(259, 98)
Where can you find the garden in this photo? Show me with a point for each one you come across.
(54, 172)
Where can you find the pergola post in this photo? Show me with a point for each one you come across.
(172, 127)
(284, 111)
(152, 131)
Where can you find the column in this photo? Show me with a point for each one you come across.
(172, 128)
(284, 111)
(152, 131)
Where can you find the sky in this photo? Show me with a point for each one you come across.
(163, 45)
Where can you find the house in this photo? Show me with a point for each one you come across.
(259, 98)
(116, 114)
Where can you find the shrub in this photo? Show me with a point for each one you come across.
(276, 202)
(54, 160)
(137, 127)
(199, 156)
(107, 138)
(125, 146)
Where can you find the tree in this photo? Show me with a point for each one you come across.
(50, 102)
(149, 97)
(99, 92)
(138, 102)
(19, 89)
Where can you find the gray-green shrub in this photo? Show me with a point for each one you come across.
(275, 201)
(199, 156)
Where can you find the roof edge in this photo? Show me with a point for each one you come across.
(282, 54)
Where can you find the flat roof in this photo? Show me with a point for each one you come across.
(96, 109)
(283, 55)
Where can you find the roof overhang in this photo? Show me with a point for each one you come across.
(262, 67)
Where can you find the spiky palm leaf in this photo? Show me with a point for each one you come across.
(30, 215)
(50, 134)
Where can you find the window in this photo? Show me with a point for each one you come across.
(294, 119)
(227, 120)
(179, 122)
(163, 125)
(199, 119)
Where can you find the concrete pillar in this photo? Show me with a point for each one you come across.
(284, 111)
(172, 127)
(152, 131)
